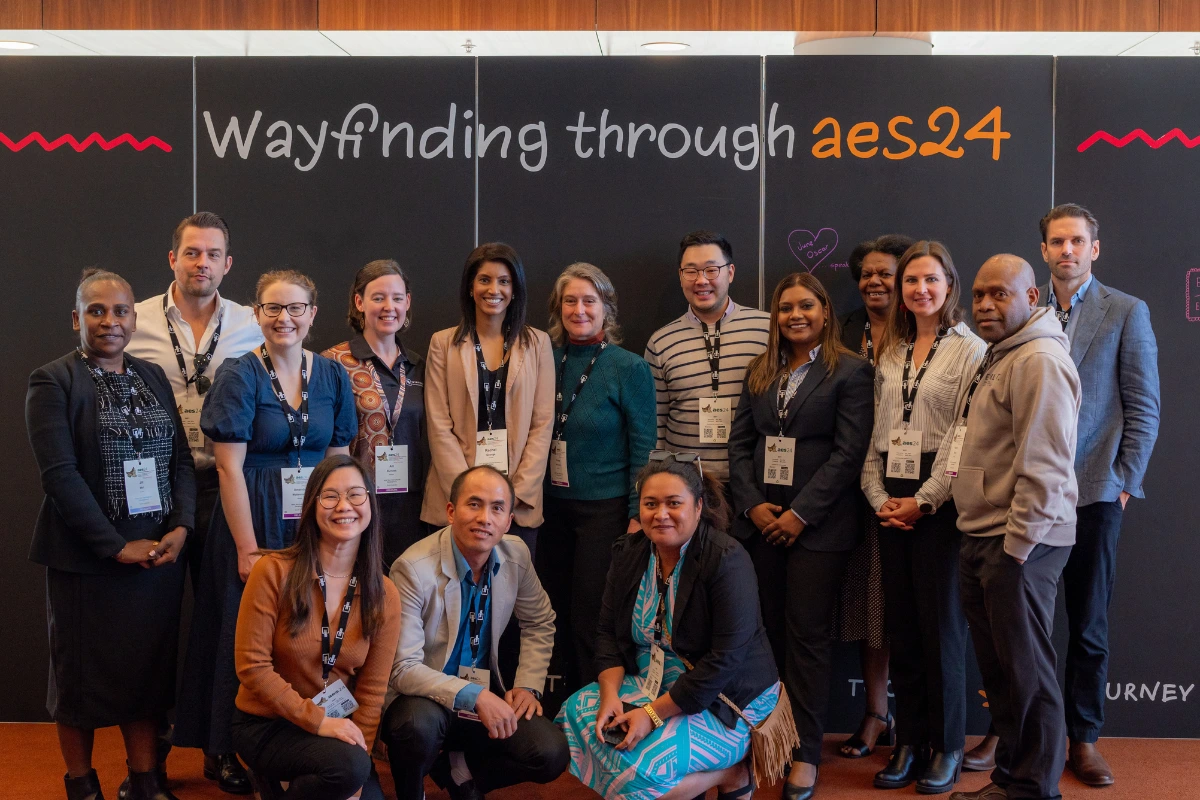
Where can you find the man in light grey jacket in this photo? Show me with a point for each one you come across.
(1009, 465)
(448, 711)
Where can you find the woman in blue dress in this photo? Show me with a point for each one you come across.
(272, 415)
(646, 731)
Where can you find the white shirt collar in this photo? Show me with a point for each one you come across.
(179, 315)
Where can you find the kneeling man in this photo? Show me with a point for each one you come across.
(452, 714)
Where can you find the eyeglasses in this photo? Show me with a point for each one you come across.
(330, 498)
(691, 274)
(273, 310)
(679, 458)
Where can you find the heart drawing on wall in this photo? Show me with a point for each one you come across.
(809, 248)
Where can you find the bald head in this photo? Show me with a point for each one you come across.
(1004, 296)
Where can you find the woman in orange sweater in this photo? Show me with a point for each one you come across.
(316, 635)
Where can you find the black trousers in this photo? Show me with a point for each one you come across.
(927, 628)
(315, 767)
(417, 729)
(1010, 608)
(1088, 582)
(207, 492)
(573, 558)
(797, 590)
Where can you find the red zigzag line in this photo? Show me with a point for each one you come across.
(1138, 133)
(79, 147)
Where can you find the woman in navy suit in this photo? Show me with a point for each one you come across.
(796, 451)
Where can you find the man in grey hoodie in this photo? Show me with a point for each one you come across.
(1009, 466)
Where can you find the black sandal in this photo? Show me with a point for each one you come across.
(744, 793)
(855, 742)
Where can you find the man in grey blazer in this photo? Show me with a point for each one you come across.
(448, 710)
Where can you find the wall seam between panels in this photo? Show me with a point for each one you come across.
(194, 137)
(475, 154)
(1053, 127)
(762, 181)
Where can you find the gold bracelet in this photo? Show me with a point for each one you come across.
(653, 715)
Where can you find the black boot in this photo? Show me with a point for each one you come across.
(85, 788)
(145, 786)
(228, 772)
(942, 773)
(905, 766)
(123, 790)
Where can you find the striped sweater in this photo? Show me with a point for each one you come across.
(679, 364)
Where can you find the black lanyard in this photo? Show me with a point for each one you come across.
(560, 422)
(297, 428)
(481, 599)
(131, 406)
(201, 360)
(1063, 316)
(910, 396)
(713, 349)
(491, 391)
(330, 650)
(987, 362)
(660, 617)
(390, 416)
(870, 343)
(781, 400)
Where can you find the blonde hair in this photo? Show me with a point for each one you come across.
(285, 276)
(581, 270)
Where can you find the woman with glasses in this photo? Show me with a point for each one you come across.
(316, 636)
(490, 390)
(795, 455)
(603, 430)
(272, 415)
(388, 380)
(684, 664)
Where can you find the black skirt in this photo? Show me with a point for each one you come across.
(114, 640)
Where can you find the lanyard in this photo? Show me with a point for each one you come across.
(481, 599)
(987, 362)
(491, 392)
(297, 428)
(560, 422)
(660, 617)
(908, 396)
(131, 406)
(1063, 316)
(390, 416)
(201, 360)
(870, 343)
(781, 401)
(713, 349)
(330, 650)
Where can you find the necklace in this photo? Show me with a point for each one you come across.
(331, 575)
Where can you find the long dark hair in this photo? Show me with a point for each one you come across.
(769, 365)
(902, 323)
(715, 512)
(514, 316)
(296, 595)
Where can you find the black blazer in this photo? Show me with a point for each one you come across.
(72, 532)
(717, 624)
(852, 329)
(831, 417)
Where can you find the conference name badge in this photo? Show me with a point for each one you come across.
(716, 415)
(479, 677)
(337, 700)
(779, 460)
(956, 447)
(141, 486)
(391, 468)
(293, 480)
(652, 683)
(189, 412)
(904, 454)
(491, 448)
(558, 463)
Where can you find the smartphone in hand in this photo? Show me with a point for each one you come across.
(615, 734)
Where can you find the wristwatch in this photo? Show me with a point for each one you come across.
(653, 715)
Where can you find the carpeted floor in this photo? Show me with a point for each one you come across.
(31, 768)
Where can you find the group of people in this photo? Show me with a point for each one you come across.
(385, 549)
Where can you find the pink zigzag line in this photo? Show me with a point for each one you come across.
(79, 147)
(1138, 133)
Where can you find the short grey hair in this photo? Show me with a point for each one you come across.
(608, 296)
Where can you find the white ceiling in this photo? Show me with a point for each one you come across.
(554, 43)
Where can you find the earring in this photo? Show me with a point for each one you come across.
(407, 322)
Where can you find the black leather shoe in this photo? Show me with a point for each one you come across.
(145, 786)
(989, 792)
(440, 772)
(942, 773)
(85, 788)
(123, 791)
(228, 772)
(793, 792)
(903, 768)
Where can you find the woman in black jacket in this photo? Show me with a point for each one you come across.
(796, 451)
(676, 596)
(120, 498)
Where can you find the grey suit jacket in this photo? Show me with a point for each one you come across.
(431, 607)
(1117, 357)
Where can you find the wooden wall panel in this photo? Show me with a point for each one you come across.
(179, 14)
(1020, 15)
(457, 15)
(1179, 15)
(20, 14)
(736, 15)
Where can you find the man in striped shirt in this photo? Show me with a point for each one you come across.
(699, 360)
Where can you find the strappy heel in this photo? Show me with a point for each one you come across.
(855, 742)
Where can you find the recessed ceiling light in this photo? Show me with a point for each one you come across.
(666, 46)
(8, 45)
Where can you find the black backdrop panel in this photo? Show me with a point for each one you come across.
(1144, 198)
(624, 214)
(327, 213)
(819, 208)
(65, 209)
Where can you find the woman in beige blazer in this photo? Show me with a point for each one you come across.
(489, 390)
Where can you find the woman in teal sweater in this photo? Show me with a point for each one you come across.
(604, 430)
